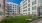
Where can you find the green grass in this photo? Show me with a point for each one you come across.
(18, 19)
(22, 19)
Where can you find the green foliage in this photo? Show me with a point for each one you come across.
(7, 19)
(16, 19)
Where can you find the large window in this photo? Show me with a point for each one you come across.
(40, 7)
(25, 4)
(28, 9)
(33, 12)
(34, 8)
(34, 2)
(40, 13)
(28, 5)
(24, 1)
(40, 10)
(28, 1)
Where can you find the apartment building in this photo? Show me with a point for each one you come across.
(28, 7)
(21, 7)
(12, 8)
(1, 7)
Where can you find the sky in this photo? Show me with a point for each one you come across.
(15, 1)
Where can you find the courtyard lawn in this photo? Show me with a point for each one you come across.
(18, 19)
(22, 19)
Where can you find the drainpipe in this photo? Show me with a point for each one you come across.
(4, 7)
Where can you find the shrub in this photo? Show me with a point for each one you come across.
(17, 19)
(7, 19)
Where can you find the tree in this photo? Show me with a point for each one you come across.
(7, 19)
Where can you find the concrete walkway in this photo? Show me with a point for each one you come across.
(37, 21)
(40, 21)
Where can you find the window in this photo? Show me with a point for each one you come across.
(33, 12)
(28, 9)
(40, 7)
(24, 4)
(13, 11)
(28, 1)
(10, 11)
(24, 1)
(7, 11)
(25, 7)
(28, 5)
(41, 1)
(24, 10)
(13, 7)
(34, 8)
(28, 13)
(0, 5)
(34, 2)
(24, 13)
(7, 5)
(40, 13)
(11, 4)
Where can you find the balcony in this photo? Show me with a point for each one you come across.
(24, 8)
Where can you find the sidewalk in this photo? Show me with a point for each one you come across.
(40, 21)
(37, 21)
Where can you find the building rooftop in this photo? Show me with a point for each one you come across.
(11, 3)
